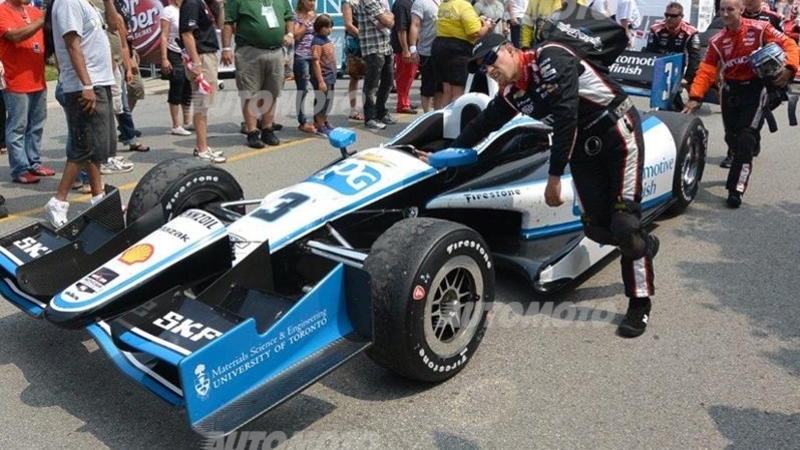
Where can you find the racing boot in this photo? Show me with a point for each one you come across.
(635, 321)
(734, 199)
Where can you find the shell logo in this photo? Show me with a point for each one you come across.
(136, 254)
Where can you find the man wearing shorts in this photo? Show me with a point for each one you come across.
(84, 59)
(199, 40)
(423, 32)
(261, 33)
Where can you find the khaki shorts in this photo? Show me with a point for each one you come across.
(259, 69)
(209, 63)
(136, 87)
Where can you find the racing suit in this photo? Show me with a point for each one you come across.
(598, 132)
(744, 95)
(686, 41)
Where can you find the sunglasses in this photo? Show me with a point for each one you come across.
(672, 16)
(490, 58)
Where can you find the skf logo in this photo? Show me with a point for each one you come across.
(201, 382)
(186, 328)
(136, 254)
(31, 247)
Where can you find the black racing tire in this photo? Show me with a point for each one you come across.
(428, 272)
(691, 139)
(180, 184)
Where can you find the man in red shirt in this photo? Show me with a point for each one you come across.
(744, 95)
(22, 53)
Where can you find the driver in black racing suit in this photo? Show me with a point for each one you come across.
(597, 130)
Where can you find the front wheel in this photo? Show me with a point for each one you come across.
(432, 286)
(180, 184)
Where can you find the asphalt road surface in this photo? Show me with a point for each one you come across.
(718, 367)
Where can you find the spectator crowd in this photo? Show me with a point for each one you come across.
(386, 47)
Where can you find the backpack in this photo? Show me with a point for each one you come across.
(593, 36)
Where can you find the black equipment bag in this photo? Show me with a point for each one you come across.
(593, 36)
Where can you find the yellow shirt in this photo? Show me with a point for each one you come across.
(457, 19)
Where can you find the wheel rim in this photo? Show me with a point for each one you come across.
(454, 306)
(691, 166)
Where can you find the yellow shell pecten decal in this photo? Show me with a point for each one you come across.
(136, 254)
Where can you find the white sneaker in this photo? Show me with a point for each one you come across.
(121, 161)
(188, 127)
(57, 212)
(209, 156)
(114, 166)
(180, 131)
(210, 150)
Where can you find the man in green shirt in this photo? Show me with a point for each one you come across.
(261, 29)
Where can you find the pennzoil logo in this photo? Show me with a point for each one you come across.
(136, 254)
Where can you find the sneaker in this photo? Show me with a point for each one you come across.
(180, 131)
(388, 119)
(113, 166)
(209, 156)
(374, 124)
(188, 127)
(727, 162)
(734, 199)
(637, 317)
(120, 160)
(268, 137)
(57, 212)
(324, 131)
(26, 178)
(307, 128)
(213, 152)
(254, 139)
(276, 126)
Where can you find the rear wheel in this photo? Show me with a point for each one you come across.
(691, 139)
(432, 284)
(181, 184)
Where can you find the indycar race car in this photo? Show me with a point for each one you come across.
(228, 307)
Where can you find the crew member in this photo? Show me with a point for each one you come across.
(744, 95)
(673, 35)
(596, 130)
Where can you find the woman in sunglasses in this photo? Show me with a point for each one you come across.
(596, 130)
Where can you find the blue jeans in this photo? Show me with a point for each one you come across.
(24, 126)
(125, 120)
(302, 76)
(83, 177)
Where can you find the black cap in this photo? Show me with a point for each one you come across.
(483, 47)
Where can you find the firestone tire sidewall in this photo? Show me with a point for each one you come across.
(404, 264)
(173, 183)
(457, 244)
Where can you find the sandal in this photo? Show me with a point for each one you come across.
(357, 115)
(139, 147)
